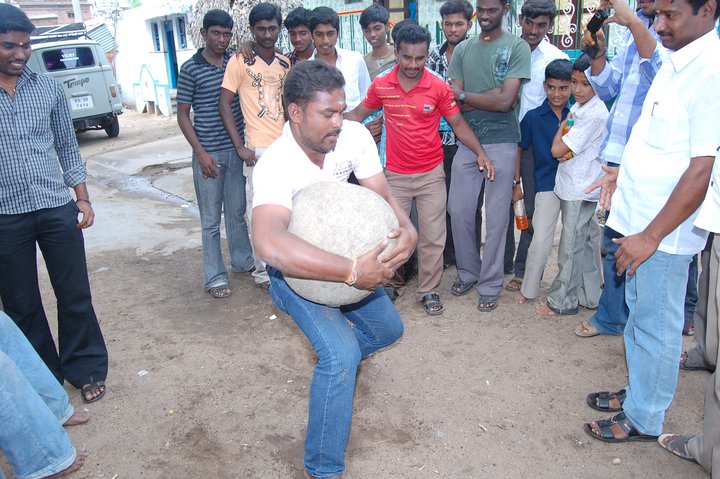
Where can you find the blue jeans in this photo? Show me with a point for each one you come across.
(612, 312)
(33, 407)
(227, 192)
(655, 296)
(340, 346)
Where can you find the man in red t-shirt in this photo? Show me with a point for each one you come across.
(414, 100)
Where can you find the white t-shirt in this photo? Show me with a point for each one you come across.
(679, 121)
(533, 92)
(357, 78)
(285, 169)
(709, 216)
(584, 140)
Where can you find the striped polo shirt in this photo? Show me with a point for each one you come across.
(199, 85)
(39, 156)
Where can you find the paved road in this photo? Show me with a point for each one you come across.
(143, 198)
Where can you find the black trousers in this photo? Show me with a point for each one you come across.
(528, 182)
(449, 252)
(82, 356)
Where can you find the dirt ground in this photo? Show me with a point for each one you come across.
(200, 387)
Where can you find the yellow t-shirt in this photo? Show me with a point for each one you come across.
(259, 87)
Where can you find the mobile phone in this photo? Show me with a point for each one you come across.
(595, 24)
(597, 20)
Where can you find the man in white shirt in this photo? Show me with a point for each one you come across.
(536, 19)
(705, 448)
(325, 25)
(317, 145)
(662, 180)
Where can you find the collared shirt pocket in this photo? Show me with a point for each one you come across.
(664, 125)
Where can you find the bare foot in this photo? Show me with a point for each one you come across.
(544, 310)
(80, 458)
(519, 298)
(79, 417)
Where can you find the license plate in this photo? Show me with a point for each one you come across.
(81, 102)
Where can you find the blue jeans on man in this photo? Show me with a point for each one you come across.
(226, 192)
(655, 296)
(340, 347)
(33, 407)
(612, 312)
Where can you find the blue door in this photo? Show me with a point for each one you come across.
(171, 54)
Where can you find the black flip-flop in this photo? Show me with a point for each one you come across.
(430, 302)
(392, 293)
(89, 387)
(601, 401)
(606, 433)
(492, 301)
(461, 288)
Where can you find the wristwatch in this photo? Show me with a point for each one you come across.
(516, 182)
(461, 96)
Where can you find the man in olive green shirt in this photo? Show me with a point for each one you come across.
(486, 75)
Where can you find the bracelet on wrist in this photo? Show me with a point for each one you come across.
(83, 199)
(353, 274)
(516, 182)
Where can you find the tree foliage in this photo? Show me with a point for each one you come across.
(239, 10)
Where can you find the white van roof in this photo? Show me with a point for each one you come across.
(62, 43)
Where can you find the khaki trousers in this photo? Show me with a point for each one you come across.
(430, 195)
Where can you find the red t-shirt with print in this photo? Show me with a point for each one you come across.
(412, 119)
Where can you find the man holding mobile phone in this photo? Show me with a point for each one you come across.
(625, 79)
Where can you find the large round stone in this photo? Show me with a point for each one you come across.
(344, 219)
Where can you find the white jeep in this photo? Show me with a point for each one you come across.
(87, 78)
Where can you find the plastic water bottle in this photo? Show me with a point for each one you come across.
(566, 129)
(521, 219)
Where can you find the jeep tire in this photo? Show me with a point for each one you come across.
(112, 128)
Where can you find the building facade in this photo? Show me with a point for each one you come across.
(153, 43)
(51, 12)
